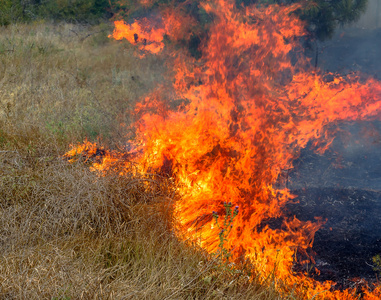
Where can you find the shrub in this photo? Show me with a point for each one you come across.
(10, 12)
(14, 11)
(75, 10)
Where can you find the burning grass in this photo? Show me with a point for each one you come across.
(253, 101)
(66, 233)
(213, 133)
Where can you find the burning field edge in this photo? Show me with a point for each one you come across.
(66, 233)
(177, 196)
(251, 103)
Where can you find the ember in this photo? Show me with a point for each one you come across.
(251, 103)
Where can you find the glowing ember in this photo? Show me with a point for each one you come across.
(251, 104)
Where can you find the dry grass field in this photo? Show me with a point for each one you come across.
(66, 233)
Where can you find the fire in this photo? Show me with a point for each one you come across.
(251, 104)
(150, 36)
(148, 39)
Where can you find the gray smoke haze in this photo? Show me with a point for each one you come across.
(354, 159)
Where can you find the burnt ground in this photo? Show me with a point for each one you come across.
(351, 236)
(343, 185)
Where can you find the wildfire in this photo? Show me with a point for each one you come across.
(148, 39)
(251, 103)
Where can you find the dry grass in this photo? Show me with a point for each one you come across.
(66, 233)
(71, 80)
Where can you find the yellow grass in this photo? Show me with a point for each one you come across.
(66, 233)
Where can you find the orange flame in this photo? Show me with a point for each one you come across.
(251, 104)
(148, 39)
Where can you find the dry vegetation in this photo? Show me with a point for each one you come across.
(66, 233)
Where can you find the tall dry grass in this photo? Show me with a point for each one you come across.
(66, 233)
(70, 80)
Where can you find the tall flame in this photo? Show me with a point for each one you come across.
(250, 105)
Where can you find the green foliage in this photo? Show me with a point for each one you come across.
(13, 11)
(3, 138)
(75, 10)
(377, 263)
(10, 12)
(225, 229)
(322, 16)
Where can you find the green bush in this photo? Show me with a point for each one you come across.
(75, 10)
(322, 16)
(13, 11)
(10, 12)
